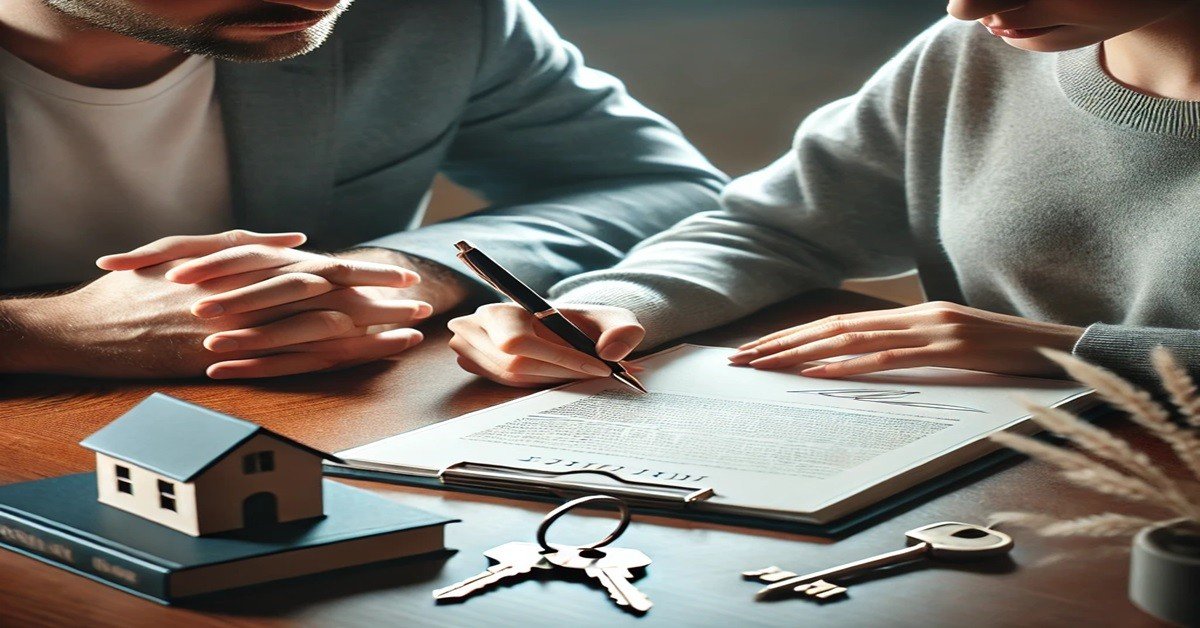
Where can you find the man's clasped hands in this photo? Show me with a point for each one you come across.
(232, 305)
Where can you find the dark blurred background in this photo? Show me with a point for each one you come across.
(737, 76)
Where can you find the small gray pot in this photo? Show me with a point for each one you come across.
(1164, 571)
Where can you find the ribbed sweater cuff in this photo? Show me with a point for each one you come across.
(1126, 349)
(651, 307)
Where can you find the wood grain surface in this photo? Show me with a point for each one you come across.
(694, 580)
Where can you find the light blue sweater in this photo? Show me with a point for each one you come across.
(1022, 183)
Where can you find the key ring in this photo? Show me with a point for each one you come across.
(553, 516)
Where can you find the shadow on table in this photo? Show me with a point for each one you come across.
(282, 597)
(994, 565)
(35, 386)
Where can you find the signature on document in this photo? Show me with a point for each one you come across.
(889, 397)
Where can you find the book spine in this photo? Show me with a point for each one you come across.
(83, 557)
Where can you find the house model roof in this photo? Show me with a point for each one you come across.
(177, 439)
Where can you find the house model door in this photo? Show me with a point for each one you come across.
(260, 509)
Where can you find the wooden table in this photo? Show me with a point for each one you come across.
(694, 579)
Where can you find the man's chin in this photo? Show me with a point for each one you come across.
(206, 39)
(260, 50)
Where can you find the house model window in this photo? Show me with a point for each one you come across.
(124, 484)
(261, 461)
(166, 495)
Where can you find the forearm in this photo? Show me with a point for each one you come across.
(1125, 350)
(546, 240)
(776, 235)
(667, 309)
(24, 336)
(707, 271)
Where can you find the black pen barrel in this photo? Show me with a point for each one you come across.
(504, 281)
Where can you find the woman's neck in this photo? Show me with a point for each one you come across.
(1161, 59)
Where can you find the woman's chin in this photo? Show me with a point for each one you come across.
(1057, 40)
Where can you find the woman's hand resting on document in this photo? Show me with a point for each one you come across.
(929, 334)
(236, 304)
(506, 344)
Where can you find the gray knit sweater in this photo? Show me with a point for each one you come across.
(1016, 182)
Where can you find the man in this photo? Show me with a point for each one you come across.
(121, 129)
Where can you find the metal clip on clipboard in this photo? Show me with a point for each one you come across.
(521, 480)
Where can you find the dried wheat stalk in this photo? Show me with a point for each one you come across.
(1108, 524)
(1178, 384)
(1140, 406)
(1090, 554)
(1146, 481)
(1020, 519)
(1093, 475)
(1101, 443)
(1105, 524)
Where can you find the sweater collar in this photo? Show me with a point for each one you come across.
(1090, 88)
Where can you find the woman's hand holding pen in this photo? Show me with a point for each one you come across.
(506, 344)
(929, 334)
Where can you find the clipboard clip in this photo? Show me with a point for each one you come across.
(522, 480)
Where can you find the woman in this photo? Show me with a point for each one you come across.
(1046, 200)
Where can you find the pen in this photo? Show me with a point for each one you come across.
(508, 285)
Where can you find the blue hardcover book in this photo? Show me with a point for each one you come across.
(59, 521)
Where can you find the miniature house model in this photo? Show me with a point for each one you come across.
(202, 472)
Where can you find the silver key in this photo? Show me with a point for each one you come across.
(947, 540)
(818, 589)
(610, 566)
(512, 560)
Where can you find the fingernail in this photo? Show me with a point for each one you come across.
(593, 369)
(222, 344)
(208, 310)
(814, 370)
(616, 351)
(415, 338)
(424, 310)
(217, 374)
(742, 356)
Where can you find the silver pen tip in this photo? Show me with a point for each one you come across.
(631, 381)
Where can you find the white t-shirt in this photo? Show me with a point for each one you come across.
(98, 171)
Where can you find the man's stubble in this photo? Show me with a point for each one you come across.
(123, 18)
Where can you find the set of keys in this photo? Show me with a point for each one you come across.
(948, 540)
(612, 567)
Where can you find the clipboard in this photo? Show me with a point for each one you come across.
(672, 501)
(459, 454)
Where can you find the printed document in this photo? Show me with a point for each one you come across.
(772, 444)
